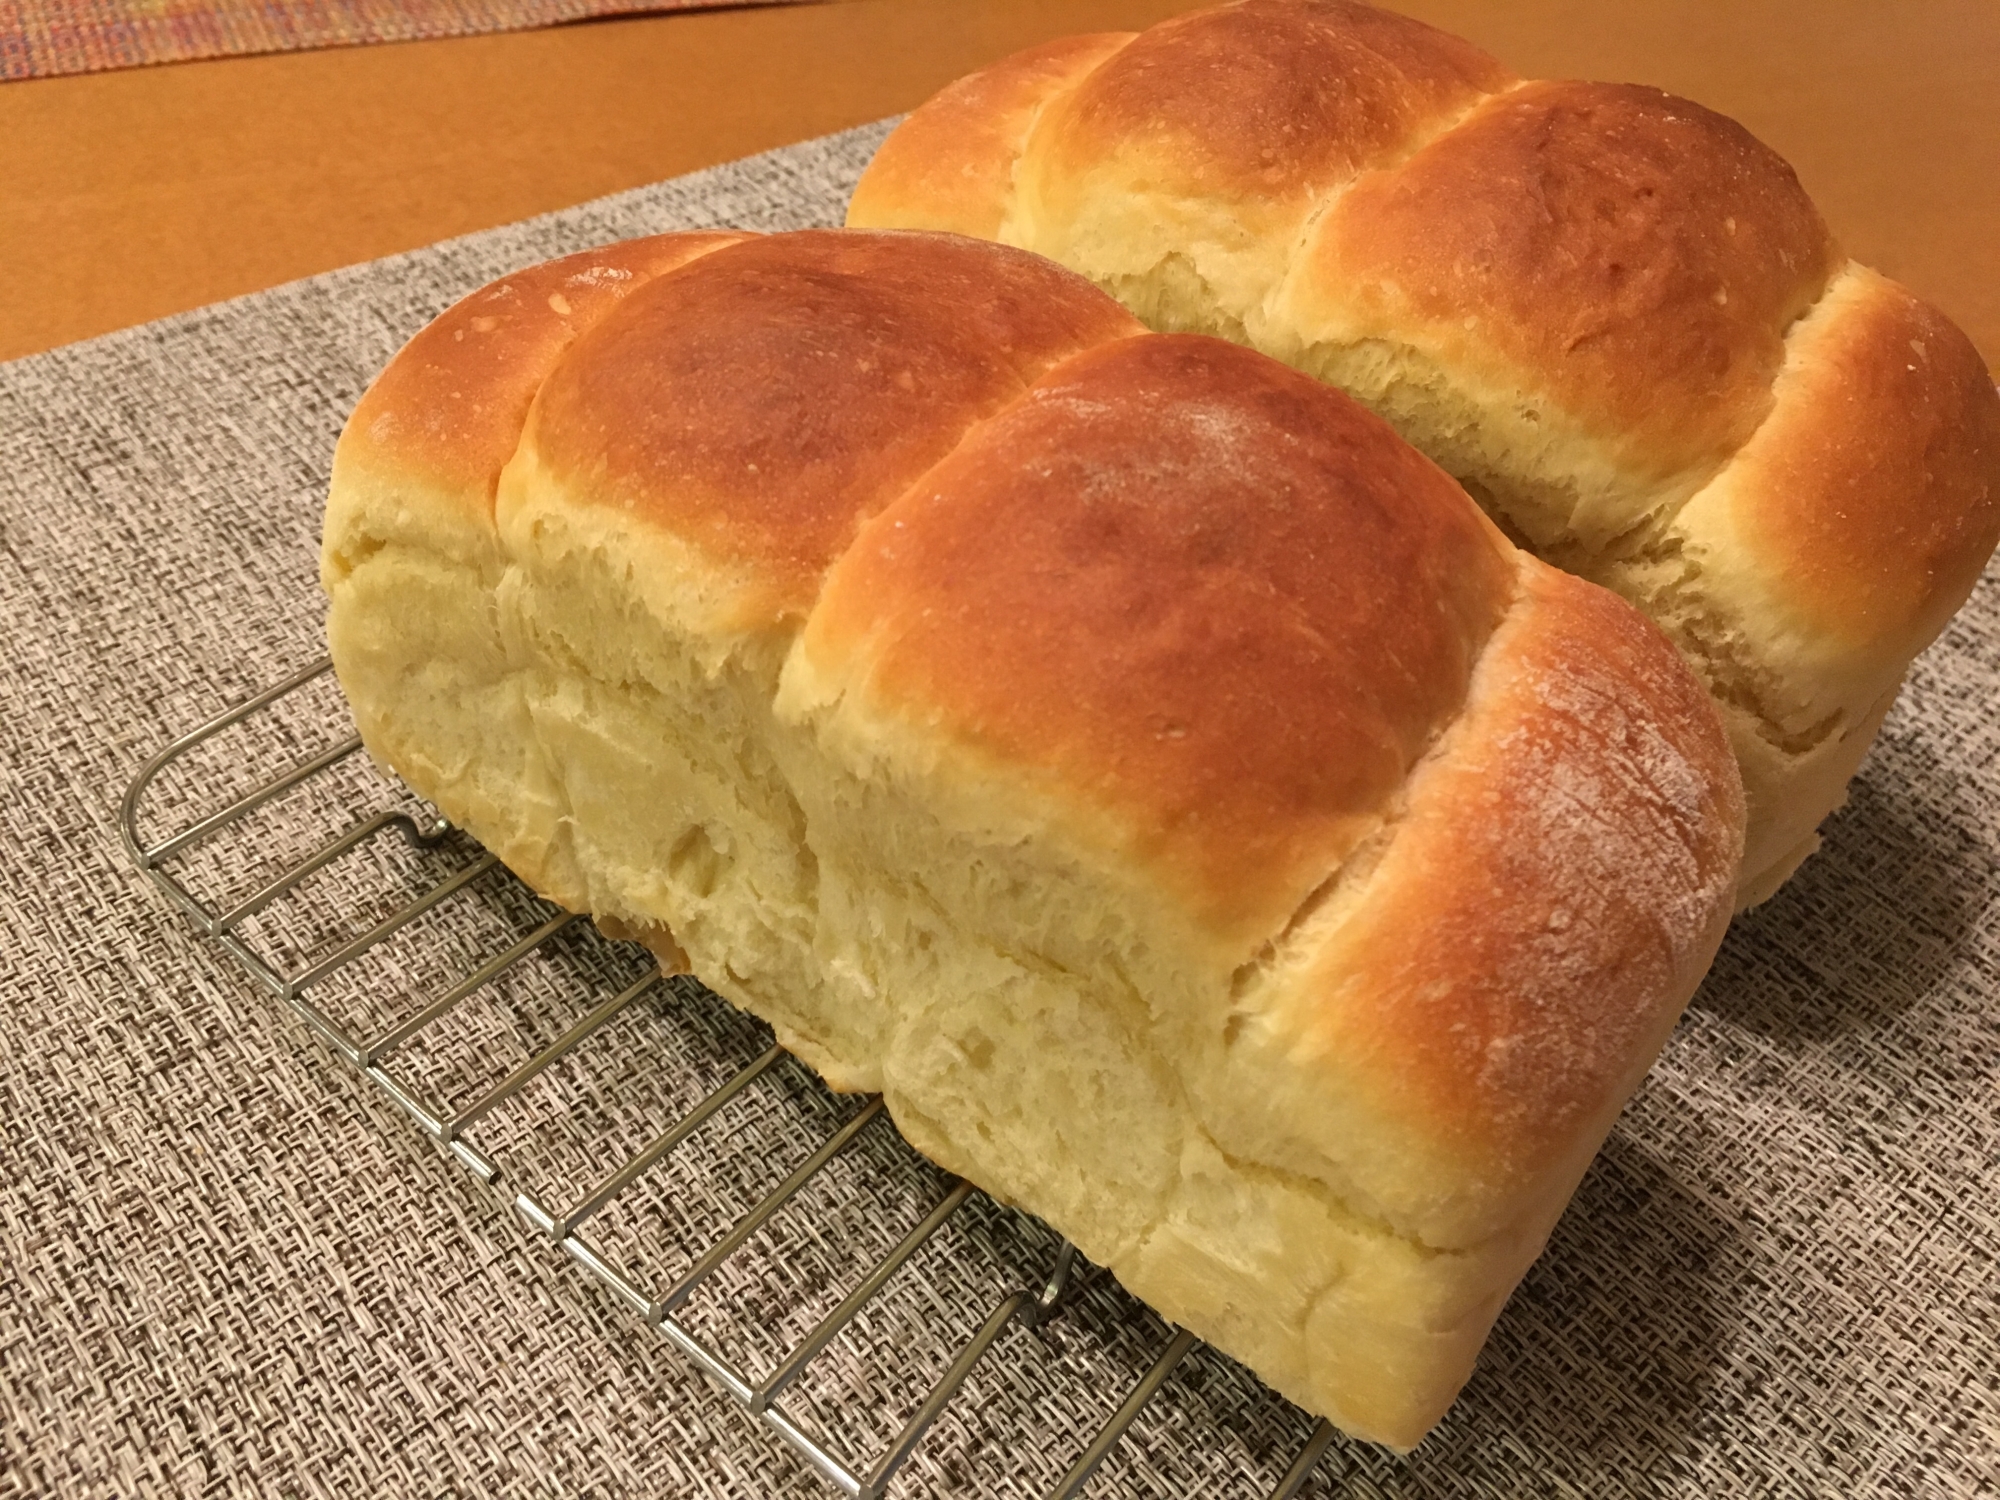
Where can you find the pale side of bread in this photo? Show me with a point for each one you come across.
(1610, 313)
(1162, 783)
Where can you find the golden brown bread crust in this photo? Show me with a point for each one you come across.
(955, 165)
(880, 351)
(1206, 144)
(1875, 493)
(1577, 850)
(1081, 785)
(1610, 313)
(1264, 102)
(1634, 257)
(1237, 549)
(452, 403)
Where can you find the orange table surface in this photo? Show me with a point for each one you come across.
(125, 196)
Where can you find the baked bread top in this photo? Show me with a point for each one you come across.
(1614, 315)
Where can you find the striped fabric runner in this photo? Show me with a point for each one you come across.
(42, 38)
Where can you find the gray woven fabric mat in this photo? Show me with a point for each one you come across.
(228, 1265)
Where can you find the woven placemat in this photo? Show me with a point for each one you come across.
(43, 38)
(230, 1267)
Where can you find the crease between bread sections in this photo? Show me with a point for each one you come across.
(1206, 825)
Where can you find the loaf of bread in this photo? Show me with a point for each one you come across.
(1612, 315)
(1124, 752)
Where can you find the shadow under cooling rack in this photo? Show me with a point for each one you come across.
(658, 1136)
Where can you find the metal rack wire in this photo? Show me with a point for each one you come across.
(373, 1054)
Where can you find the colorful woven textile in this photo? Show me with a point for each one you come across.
(41, 38)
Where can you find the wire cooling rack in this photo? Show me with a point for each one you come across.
(275, 829)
